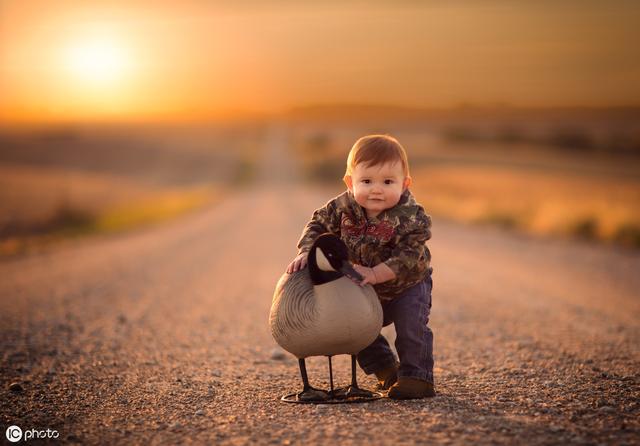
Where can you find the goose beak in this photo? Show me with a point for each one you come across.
(348, 271)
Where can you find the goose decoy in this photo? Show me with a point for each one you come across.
(320, 311)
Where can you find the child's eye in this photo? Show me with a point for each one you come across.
(388, 181)
(366, 181)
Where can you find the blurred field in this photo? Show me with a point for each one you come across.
(62, 183)
(536, 202)
(530, 183)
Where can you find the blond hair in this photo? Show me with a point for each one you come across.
(377, 149)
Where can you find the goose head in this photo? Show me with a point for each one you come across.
(329, 260)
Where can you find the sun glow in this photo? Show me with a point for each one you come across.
(97, 61)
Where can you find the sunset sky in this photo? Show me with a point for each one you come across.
(142, 59)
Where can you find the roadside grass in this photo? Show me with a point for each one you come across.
(543, 203)
(164, 206)
(70, 221)
(63, 184)
(40, 206)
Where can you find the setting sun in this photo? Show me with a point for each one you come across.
(97, 61)
(149, 59)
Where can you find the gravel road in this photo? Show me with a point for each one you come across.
(160, 336)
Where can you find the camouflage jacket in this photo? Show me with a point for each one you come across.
(396, 237)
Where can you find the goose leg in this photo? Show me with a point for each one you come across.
(309, 393)
(330, 376)
(353, 390)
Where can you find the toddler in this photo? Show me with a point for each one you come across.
(385, 230)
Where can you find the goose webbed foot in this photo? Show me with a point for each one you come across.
(309, 393)
(312, 394)
(352, 392)
(356, 392)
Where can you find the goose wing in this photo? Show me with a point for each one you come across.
(293, 309)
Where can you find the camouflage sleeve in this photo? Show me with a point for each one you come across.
(325, 219)
(411, 255)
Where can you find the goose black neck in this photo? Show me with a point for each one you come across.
(318, 277)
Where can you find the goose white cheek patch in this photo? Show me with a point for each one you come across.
(322, 261)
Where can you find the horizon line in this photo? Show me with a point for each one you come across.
(330, 107)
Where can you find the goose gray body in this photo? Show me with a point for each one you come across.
(337, 317)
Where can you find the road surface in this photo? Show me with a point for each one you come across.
(161, 336)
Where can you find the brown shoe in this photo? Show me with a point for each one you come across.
(387, 377)
(411, 388)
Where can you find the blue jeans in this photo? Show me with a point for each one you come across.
(409, 312)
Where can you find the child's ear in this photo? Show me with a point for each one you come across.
(349, 182)
(407, 183)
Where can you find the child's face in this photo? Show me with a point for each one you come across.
(377, 188)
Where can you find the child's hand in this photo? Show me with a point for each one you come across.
(298, 263)
(378, 274)
(368, 274)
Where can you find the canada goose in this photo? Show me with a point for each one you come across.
(318, 311)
